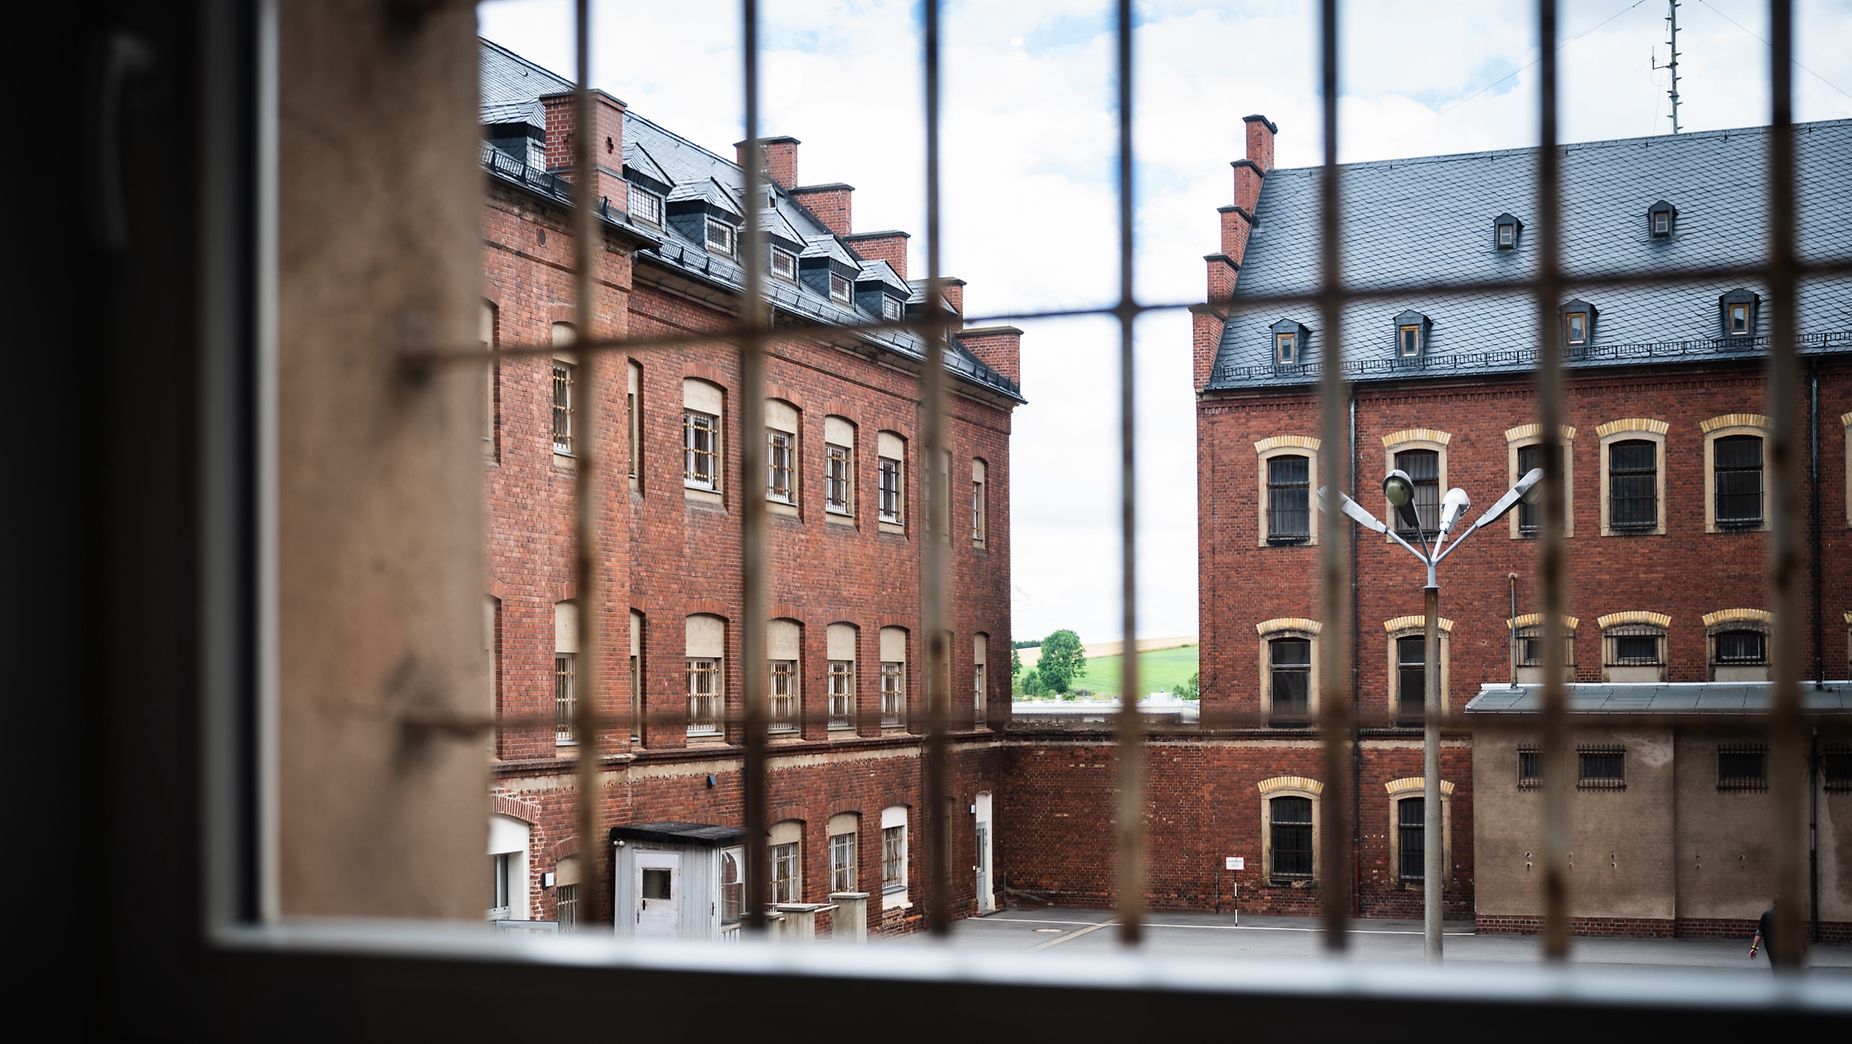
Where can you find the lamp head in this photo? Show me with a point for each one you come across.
(1530, 487)
(1399, 488)
(1452, 506)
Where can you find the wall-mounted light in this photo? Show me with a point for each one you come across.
(546, 879)
(710, 781)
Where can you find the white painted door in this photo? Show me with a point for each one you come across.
(986, 898)
(659, 893)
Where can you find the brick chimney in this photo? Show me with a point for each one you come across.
(607, 144)
(1238, 221)
(830, 203)
(998, 347)
(780, 159)
(882, 246)
(954, 289)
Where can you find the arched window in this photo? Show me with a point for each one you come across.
(565, 672)
(508, 899)
(703, 408)
(705, 646)
(784, 640)
(841, 640)
(1634, 646)
(893, 677)
(838, 469)
(781, 455)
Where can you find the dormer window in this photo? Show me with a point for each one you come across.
(890, 307)
(1660, 217)
(1737, 310)
(784, 264)
(1411, 335)
(1288, 342)
(1505, 229)
(1578, 324)
(645, 206)
(721, 237)
(841, 290)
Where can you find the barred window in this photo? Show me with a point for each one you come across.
(1290, 663)
(842, 694)
(645, 206)
(1528, 647)
(1423, 467)
(1836, 767)
(980, 474)
(701, 446)
(837, 475)
(1747, 648)
(703, 697)
(893, 694)
(1289, 510)
(893, 857)
(565, 704)
(843, 877)
(1633, 485)
(1529, 512)
(1530, 768)
(890, 490)
(783, 682)
(784, 264)
(890, 307)
(1410, 679)
(732, 884)
(1635, 646)
(840, 290)
(566, 896)
(1290, 823)
(787, 884)
(721, 236)
(1742, 767)
(780, 455)
(1601, 768)
(562, 407)
(1411, 838)
(1738, 477)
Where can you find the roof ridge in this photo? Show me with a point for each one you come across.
(529, 62)
(1599, 143)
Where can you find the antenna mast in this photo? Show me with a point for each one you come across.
(1672, 42)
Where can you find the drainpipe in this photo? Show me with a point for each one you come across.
(1813, 506)
(1356, 704)
(1511, 624)
(1813, 833)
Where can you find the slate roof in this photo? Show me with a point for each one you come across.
(1414, 221)
(1659, 698)
(883, 273)
(674, 832)
(509, 82)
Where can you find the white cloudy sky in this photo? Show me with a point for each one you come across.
(1028, 196)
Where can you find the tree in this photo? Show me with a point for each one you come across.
(1062, 660)
(1189, 690)
(1015, 663)
(1032, 683)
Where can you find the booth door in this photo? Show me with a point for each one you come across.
(659, 893)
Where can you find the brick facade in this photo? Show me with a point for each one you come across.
(668, 556)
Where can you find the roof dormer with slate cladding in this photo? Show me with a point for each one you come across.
(699, 232)
(1413, 222)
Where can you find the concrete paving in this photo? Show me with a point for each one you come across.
(1206, 935)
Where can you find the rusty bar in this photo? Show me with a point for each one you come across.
(1551, 561)
(1334, 696)
(1131, 817)
(936, 553)
(587, 237)
(754, 695)
(1787, 738)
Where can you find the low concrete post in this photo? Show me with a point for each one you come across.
(850, 921)
(797, 921)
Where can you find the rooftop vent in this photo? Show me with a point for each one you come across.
(1661, 218)
(1505, 229)
(1289, 338)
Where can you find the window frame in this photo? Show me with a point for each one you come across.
(896, 856)
(1634, 429)
(980, 506)
(1266, 451)
(846, 296)
(1286, 348)
(781, 467)
(1295, 790)
(657, 204)
(1408, 440)
(694, 423)
(845, 869)
(1404, 627)
(564, 408)
(1527, 436)
(1597, 755)
(1288, 628)
(1634, 624)
(728, 243)
(783, 264)
(1740, 756)
(1399, 792)
(1734, 426)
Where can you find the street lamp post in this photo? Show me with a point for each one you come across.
(1399, 489)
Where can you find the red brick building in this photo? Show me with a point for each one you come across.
(1665, 433)
(846, 523)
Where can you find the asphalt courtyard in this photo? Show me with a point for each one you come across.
(1200, 935)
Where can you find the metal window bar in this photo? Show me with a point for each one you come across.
(1601, 767)
(1423, 466)
(1739, 481)
(842, 694)
(1742, 648)
(1291, 841)
(779, 467)
(1779, 272)
(1530, 768)
(836, 479)
(1742, 766)
(842, 863)
(1633, 485)
(565, 704)
(562, 408)
(704, 697)
(1289, 504)
(783, 695)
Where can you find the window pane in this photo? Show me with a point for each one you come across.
(1739, 480)
(1289, 499)
(1744, 647)
(1411, 826)
(1411, 677)
(1291, 821)
(1423, 467)
(1633, 468)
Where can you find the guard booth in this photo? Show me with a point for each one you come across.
(678, 880)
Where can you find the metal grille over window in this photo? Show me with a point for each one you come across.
(1411, 835)
(1742, 766)
(783, 675)
(1423, 467)
(1291, 822)
(1739, 481)
(700, 441)
(703, 697)
(1289, 510)
(1530, 768)
(562, 408)
(1601, 768)
(565, 705)
(1633, 483)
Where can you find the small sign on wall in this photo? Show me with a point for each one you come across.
(1234, 863)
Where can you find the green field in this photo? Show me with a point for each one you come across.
(1158, 670)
